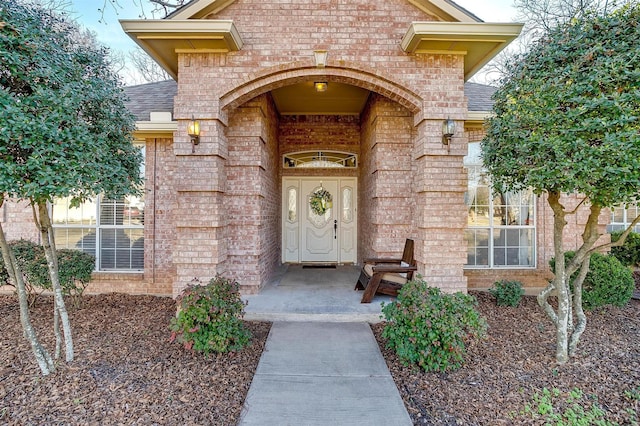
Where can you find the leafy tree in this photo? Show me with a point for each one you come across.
(567, 120)
(540, 16)
(65, 132)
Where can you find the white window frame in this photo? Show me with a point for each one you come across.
(98, 231)
(627, 213)
(94, 225)
(473, 161)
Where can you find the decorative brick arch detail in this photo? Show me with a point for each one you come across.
(300, 72)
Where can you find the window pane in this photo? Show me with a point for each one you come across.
(477, 198)
(76, 238)
(500, 226)
(61, 214)
(121, 249)
(347, 210)
(293, 204)
(477, 247)
(111, 230)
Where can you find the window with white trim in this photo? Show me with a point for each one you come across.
(111, 230)
(501, 230)
(622, 216)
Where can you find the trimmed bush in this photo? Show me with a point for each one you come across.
(629, 253)
(209, 317)
(431, 329)
(608, 281)
(507, 293)
(74, 269)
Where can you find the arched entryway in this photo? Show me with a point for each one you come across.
(408, 184)
(369, 134)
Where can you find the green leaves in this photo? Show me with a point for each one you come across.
(567, 117)
(210, 317)
(64, 126)
(431, 329)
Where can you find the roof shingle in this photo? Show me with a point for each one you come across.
(158, 97)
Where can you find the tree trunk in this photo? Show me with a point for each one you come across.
(569, 305)
(581, 323)
(560, 282)
(46, 232)
(42, 356)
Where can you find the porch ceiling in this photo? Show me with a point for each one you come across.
(302, 99)
(479, 42)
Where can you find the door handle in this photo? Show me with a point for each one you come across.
(335, 229)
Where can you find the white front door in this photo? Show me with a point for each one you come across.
(319, 231)
(326, 235)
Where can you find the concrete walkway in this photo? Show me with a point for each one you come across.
(319, 373)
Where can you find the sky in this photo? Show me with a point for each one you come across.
(109, 32)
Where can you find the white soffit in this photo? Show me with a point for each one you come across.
(479, 42)
(165, 39)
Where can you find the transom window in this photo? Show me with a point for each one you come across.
(500, 229)
(111, 230)
(320, 159)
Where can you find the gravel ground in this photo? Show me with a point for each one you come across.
(127, 372)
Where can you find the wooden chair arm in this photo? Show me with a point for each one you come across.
(382, 260)
(393, 269)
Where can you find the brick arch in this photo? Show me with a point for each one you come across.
(299, 73)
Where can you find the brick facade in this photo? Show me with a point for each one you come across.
(216, 208)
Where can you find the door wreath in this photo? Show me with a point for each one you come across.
(320, 201)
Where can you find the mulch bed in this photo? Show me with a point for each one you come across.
(127, 372)
(517, 360)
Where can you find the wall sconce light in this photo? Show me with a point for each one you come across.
(321, 86)
(193, 129)
(448, 129)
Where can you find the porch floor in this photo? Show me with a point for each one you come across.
(313, 294)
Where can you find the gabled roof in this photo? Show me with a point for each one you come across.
(441, 10)
(158, 97)
(454, 30)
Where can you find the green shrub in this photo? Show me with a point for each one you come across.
(33, 265)
(74, 269)
(507, 293)
(629, 253)
(429, 328)
(210, 317)
(608, 282)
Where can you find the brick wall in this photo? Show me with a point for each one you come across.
(253, 196)
(17, 221)
(386, 196)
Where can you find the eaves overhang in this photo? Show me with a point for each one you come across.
(479, 42)
(155, 129)
(163, 40)
(477, 117)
